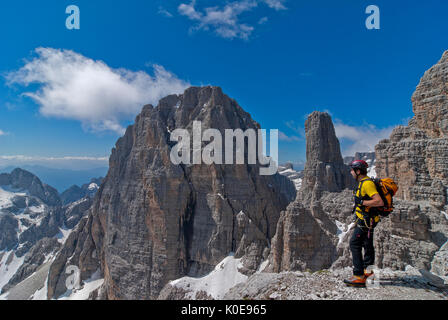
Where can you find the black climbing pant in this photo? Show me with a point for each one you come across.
(360, 239)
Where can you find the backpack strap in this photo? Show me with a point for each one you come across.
(358, 189)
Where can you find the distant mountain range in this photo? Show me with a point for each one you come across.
(61, 179)
(35, 221)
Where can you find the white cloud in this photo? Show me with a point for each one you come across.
(165, 12)
(225, 20)
(2, 133)
(283, 137)
(300, 130)
(361, 138)
(276, 4)
(263, 20)
(189, 11)
(37, 158)
(72, 86)
(70, 162)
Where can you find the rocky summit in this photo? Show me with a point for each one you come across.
(306, 237)
(153, 221)
(324, 169)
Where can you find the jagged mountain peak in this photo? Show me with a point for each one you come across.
(324, 169)
(182, 219)
(24, 180)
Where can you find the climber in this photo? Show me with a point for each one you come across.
(366, 199)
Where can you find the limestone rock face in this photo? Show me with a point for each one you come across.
(79, 250)
(325, 169)
(416, 155)
(8, 231)
(302, 242)
(430, 101)
(153, 221)
(75, 211)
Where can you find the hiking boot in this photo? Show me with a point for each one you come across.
(368, 274)
(356, 281)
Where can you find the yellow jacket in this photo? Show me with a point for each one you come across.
(366, 190)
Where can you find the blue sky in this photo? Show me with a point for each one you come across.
(280, 60)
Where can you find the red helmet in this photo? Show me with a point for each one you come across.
(359, 164)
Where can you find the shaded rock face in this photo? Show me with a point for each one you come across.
(8, 231)
(79, 250)
(325, 169)
(295, 176)
(75, 211)
(302, 241)
(153, 221)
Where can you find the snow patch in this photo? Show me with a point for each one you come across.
(292, 175)
(63, 234)
(8, 271)
(41, 294)
(5, 198)
(217, 283)
(93, 186)
(445, 214)
(371, 172)
(90, 285)
(343, 229)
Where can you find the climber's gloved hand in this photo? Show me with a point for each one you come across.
(358, 201)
